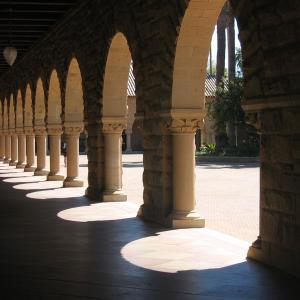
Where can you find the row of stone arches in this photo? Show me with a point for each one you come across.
(169, 51)
(169, 140)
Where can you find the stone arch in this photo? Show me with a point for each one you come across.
(19, 111)
(12, 114)
(28, 113)
(39, 108)
(54, 109)
(116, 78)
(74, 106)
(192, 50)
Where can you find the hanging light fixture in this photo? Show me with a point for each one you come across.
(10, 53)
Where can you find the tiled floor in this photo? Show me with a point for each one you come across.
(55, 244)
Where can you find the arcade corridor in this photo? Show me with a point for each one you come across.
(46, 255)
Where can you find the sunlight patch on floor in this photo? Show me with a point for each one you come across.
(185, 249)
(104, 211)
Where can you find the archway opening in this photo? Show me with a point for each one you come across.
(74, 137)
(123, 171)
(54, 128)
(227, 188)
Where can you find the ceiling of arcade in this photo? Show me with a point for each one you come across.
(24, 23)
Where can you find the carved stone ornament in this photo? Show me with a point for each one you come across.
(40, 130)
(253, 118)
(19, 131)
(54, 129)
(182, 125)
(75, 130)
(28, 131)
(178, 121)
(113, 125)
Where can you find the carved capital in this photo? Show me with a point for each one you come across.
(28, 131)
(182, 125)
(113, 125)
(178, 121)
(54, 129)
(19, 131)
(253, 118)
(75, 130)
(40, 130)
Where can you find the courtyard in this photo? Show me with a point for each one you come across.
(227, 194)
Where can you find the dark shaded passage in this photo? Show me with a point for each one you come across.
(45, 257)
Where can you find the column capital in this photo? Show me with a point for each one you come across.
(20, 131)
(40, 130)
(12, 131)
(28, 131)
(74, 130)
(53, 129)
(179, 121)
(113, 125)
(254, 119)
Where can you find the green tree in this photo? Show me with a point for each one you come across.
(227, 105)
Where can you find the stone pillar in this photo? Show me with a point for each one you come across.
(112, 130)
(7, 148)
(72, 137)
(29, 151)
(184, 213)
(14, 149)
(40, 135)
(21, 149)
(54, 133)
(2, 147)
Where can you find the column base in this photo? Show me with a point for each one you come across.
(6, 161)
(72, 182)
(116, 196)
(12, 163)
(275, 255)
(1, 159)
(55, 177)
(178, 219)
(93, 193)
(29, 169)
(41, 172)
(20, 166)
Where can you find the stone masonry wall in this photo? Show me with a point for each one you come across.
(270, 38)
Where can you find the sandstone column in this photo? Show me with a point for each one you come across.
(29, 150)
(40, 135)
(21, 149)
(14, 149)
(112, 130)
(184, 214)
(72, 135)
(54, 133)
(7, 148)
(2, 147)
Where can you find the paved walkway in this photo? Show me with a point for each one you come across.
(227, 195)
(56, 245)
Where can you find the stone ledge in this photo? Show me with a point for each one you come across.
(227, 159)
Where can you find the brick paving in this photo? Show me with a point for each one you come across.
(227, 194)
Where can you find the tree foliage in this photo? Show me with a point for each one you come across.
(227, 105)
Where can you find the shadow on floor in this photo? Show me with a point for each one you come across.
(43, 256)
